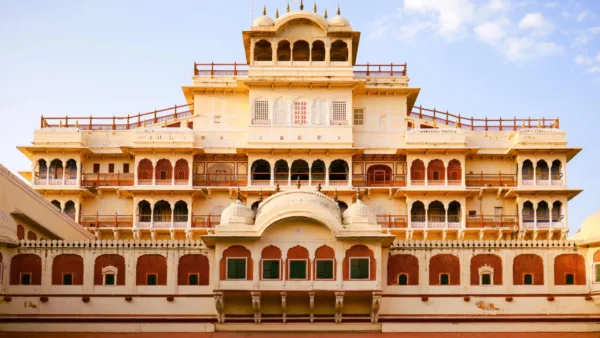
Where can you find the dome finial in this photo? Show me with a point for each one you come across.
(287, 8)
(260, 196)
(319, 187)
(277, 13)
(277, 189)
(335, 195)
(315, 7)
(301, 5)
(239, 194)
(265, 10)
(325, 15)
(358, 194)
(339, 12)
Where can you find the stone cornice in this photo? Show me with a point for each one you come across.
(408, 245)
(108, 244)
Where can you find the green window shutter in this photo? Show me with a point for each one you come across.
(403, 280)
(359, 268)
(151, 279)
(597, 267)
(486, 279)
(297, 269)
(324, 269)
(236, 268)
(193, 280)
(68, 279)
(270, 269)
(444, 279)
(109, 279)
(528, 279)
(570, 279)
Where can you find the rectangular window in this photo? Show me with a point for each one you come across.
(403, 279)
(270, 269)
(324, 269)
(570, 279)
(359, 268)
(151, 279)
(111, 168)
(109, 279)
(68, 279)
(26, 279)
(125, 168)
(359, 116)
(217, 119)
(444, 279)
(299, 112)
(528, 279)
(298, 269)
(96, 168)
(597, 270)
(261, 111)
(236, 268)
(339, 111)
(486, 279)
(193, 279)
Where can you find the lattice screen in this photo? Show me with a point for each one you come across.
(261, 110)
(435, 171)
(417, 170)
(145, 169)
(182, 170)
(164, 170)
(300, 112)
(339, 111)
(454, 170)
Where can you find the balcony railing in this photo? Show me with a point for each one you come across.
(392, 221)
(205, 221)
(44, 178)
(220, 180)
(241, 69)
(107, 180)
(162, 221)
(118, 122)
(491, 180)
(106, 221)
(378, 180)
(485, 124)
(543, 222)
(492, 221)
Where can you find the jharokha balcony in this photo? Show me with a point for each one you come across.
(241, 69)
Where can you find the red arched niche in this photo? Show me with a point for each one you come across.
(298, 252)
(493, 261)
(193, 264)
(31, 236)
(528, 264)
(359, 251)
(151, 264)
(403, 263)
(103, 261)
(26, 263)
(20, 232)
(379, 174)
(569, 264)
(597, 256)
(444, 263)
(236, 251)
(67, 264)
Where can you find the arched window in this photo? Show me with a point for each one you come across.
(71, 172)
(417, 212)
(542, 213)
(486, 269)
(436, 172)
(444, 269)
(454, 173)
(162, 214)
(557, 215)
(556, 172)
(317, 172)
(42, 171)
(26, 269)
(151, 270)
(569, 269)
(339, 51)
(109, 269)
(281, 116)
(182, 172)
(164, 172)
(56, 172)
(319, 112)
(20, 232)
(144, 213)
(67, 269)
(282, 172)
(284, 51)
(193, 269)
(318, 51)
(263, 51)
(180, 214)
(528, 269)
(236, 264)
(261, 172)
(528, 212)
(454, 213)
(403, 269)
(70, 209)
(298, 264)
(324, 263)
(542, 172)
(379, 175)
(145, 172)
(342, 205)
(300, 112)
(436, 214)
(260, 112)
(417, 172)
(220, 175)
(359, 263)
(338, 173)
(57, 204)
(299, 170)
(301, 51)
(527, 172)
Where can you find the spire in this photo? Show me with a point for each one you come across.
(239, 194)
(277, 13)
(265, 10)
(260, 196)
(325, 15)
(287, 8)
(315, 7)
(335, 195)
(339, 12)
(301, 5)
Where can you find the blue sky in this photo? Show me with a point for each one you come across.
(494, 58)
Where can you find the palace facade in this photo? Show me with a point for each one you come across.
(296, 191)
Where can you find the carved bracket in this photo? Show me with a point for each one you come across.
(220, 306)
(311, 296)
(375, 307)
(256, 306)
(339, 305)
(284, 305)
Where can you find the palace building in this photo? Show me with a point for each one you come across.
(297, 190)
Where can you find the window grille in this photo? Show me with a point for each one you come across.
(339, 111)
(319, 112)
(299, 112)
(261, 111)
(359, 117)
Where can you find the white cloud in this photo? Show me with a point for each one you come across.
(593, 69)
(497, 5)
(527, 48)
(583, 60)
(526, 3)
(583, 15)
(410, 30)
(492, 31)
(452, 15)
(536, 23)
(552, 4)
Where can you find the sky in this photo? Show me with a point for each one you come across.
(482, 58)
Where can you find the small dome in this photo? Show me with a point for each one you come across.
(237, 212)
(590, 229)
(339, 21)
(263, 21)
(359, 212)
(8, 229)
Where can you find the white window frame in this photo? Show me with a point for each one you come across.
(594, 267)
(403, 274)
(289, 261)
(333, 267)
(486, 270)
(197, 274)
(532, 278)
(62, 280)
(362, 116)
(336, 119)
(281, 112)
(368, 268)
(440, 279)
(318, 113)
(217, 119)
(262, 276)
(262, 114)
(227, 268)
(109, 270)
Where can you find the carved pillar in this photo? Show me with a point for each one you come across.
(311, 296)
(284, 305)
(375, 307)
(256, 306)
(220, 306)
(339, 306)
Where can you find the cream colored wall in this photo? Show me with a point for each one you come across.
(479, 164)
(104, 161)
